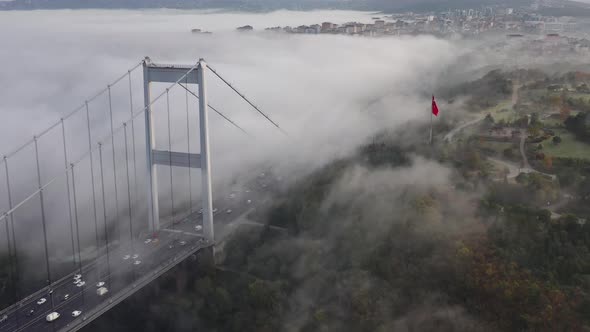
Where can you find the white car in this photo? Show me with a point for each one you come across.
(76, 313)
(198, 227)
(77, 276)
(52, 316)
(126, 257)
(81, 284)
(249, 201)
(102, 291)
(229, 211)
(247, 190)
(214, 210)
(136, 262)
(66, 297)
(41, 301)
(182, 243)
(147, 241)
(100, 284)
(136, 256)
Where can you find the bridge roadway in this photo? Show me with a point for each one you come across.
(121, 276)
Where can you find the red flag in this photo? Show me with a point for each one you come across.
(434, 107)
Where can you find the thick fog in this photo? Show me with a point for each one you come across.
(329, 93)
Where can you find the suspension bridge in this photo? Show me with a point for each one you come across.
(87, 219)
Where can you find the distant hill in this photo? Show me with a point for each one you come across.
(570, 8)
(377, 5)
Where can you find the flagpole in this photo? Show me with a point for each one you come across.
(430, 141)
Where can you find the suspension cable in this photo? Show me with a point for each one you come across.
(170, 156)
(247, 100)
(131, 238)
(104, 210)
(216, 111)
(76, 215)
(63, 132)
(89, 151)
(43, 221)
(133, 137)
(93, 186)
(188, 150)
(76, 110)
(11, 220)
(114, 166)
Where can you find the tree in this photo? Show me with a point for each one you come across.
(508, 153)
(556, 140)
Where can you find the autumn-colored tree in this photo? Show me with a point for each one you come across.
(548, 162)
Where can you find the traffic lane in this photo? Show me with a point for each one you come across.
(66, 286)
(65, 311)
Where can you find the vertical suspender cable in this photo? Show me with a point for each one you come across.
(14, 250)
(170, 153)
(114, 167)
(10, 265)
(133, 137)
(131, 238)
(93, 188)
(63, 132)
(76, 216)
(43, 221)
(188, 148)
(104, 209)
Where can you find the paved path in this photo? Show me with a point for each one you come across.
(449, 137)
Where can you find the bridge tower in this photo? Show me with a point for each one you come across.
(176, 74)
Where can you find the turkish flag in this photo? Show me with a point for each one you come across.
(434, 107)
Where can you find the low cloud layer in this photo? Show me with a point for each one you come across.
(330, 93)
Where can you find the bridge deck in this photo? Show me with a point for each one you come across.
(121, 276)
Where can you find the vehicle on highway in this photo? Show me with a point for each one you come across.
(30, 312)
(136, 262)
(77, 276)
(198, 227)
(136, 256)
(182, 243)
(52, 316)
(229, 211)
(126, 257)
(102, 291)
(76, 313)
(100, 284)
(3, 318)
(147, 241)
(41, 301)
(249, 201)
(81, 284)
(66, 297)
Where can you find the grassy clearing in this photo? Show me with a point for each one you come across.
(569, 147)
(498, 147)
